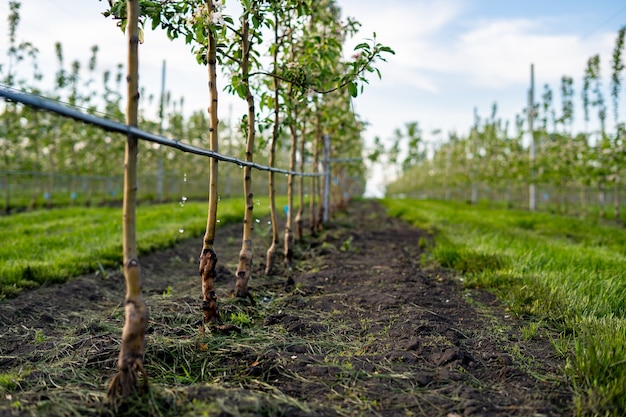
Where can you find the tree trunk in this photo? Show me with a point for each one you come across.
(244, 267)
(300, 214)
(270, 258)
(208, 256)
(314, 179)
(288, 251)
(130, 361)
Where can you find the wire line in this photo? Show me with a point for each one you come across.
(112, 126)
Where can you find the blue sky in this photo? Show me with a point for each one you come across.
(451, 55)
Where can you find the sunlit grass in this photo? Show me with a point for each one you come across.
(54, 245)
(565, 272)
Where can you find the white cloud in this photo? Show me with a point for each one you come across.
(408, 27)
(498, 53)
(432, 39)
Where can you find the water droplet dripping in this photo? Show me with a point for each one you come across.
(185, 177)
(269, 222)
(183, 198)
(181, 230)
(218, 220)
(257, 220)
(219, 198)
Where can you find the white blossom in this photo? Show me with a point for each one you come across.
(218, 6)
(218, 19)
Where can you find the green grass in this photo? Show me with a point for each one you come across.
(54, 245)
(565, 272)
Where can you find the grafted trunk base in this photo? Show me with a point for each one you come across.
(130, 361)
(288, 251)
(270, 259)
(207, 270)
(299, 224)
(126, 383)
(288, 260)
(244, 271)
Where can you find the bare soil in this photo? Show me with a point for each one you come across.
(371, 327)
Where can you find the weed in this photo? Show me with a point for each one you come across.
(531, 330)
(39, 336)
(8, 382)
(240, 319)
(168, 291)
(346, 246)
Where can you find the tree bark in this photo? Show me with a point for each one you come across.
(244, 267)
(288, 251)
(270, 257)
(130, 361)
(300, 214)
(314, 179)
(208, 256)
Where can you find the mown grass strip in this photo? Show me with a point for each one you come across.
(54, 245)
(563, 271)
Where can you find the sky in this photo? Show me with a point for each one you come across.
(452, 56)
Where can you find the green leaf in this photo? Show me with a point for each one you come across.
(352, 88)
(241, 90)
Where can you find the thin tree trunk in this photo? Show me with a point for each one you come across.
(300, 215)
(270, 258)
(130, 362)
(322, 202)
(288, 252)
(208, 256)
(36, 190)
(244, 267)
(314, 178)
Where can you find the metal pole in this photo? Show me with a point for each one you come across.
(326, 177)
(532, 203)
(160, 159)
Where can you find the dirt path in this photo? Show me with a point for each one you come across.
(369, 329)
